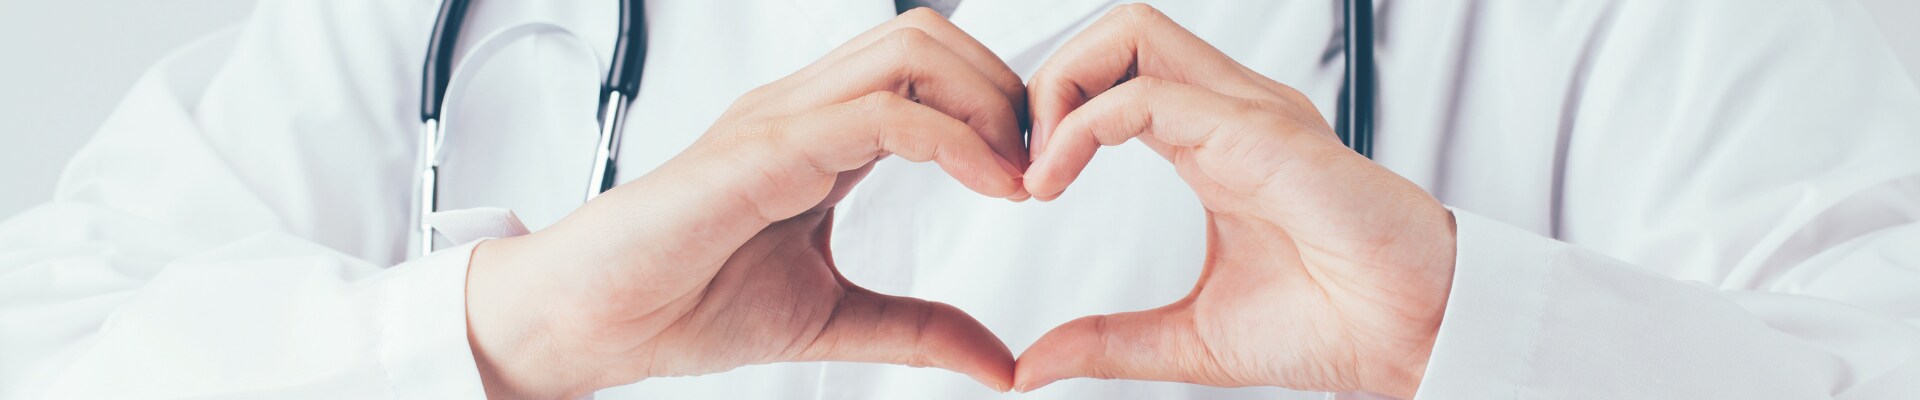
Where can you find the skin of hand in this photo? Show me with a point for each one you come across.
(1324, 271)
(719, 258)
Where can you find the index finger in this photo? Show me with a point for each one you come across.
(971, 51)
(1132, 40)
(911, 63)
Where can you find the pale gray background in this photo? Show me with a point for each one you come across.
(64, 64)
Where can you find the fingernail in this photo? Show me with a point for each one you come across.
(1050, 197)
(1029, 387)
(1021, 195)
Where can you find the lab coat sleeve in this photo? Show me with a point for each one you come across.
(1741, 221)
(98, 306)
(1531, 317)
(197, 248)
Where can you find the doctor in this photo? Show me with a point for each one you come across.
(1700, 199)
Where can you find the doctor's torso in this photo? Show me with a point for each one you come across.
(1129, 235)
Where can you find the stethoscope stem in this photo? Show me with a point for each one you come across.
(429, 187)
(613, 113)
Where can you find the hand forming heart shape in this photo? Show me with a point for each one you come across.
(719, 258)
(1324, 271)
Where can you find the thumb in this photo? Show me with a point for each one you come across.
(872, 327)
(1158, 345)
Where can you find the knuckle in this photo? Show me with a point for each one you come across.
(1101, 368)
(753, 136)
(1011, 84)
(1138, 89)
(920, 15)
(1146, 85)
(1290, 94)
(922, 326)
(1256, 114)
(1138, 13)
(758, 130)
(757, 94)
(1042, 82)
(1072, 119)
(880, 101)
(1247, 108)
(902, 48)
(907, 39)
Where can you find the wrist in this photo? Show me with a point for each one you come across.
(1399, 375)
(510, 339)
(1402, 379)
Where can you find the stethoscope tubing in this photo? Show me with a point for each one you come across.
(1355, 119)
(617, 92)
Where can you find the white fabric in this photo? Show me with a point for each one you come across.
(1534, 318)
(473, 224)
(1709, 198)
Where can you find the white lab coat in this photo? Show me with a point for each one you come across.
(1655, 199)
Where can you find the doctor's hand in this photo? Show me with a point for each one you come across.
(1324, 271)
(719, 258)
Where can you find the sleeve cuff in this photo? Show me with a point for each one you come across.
(423, 328)
(1492, 316)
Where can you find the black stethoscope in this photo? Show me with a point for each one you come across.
(1354, 122)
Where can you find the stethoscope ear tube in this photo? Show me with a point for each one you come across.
(629, 51)
(1356, 111)
(439, 64)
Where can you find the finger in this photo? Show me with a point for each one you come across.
(871, 327)
(912, 63)
(1156, 345)
(1173, 114)
(851, 135)
(1131, 40)
(950, 36)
